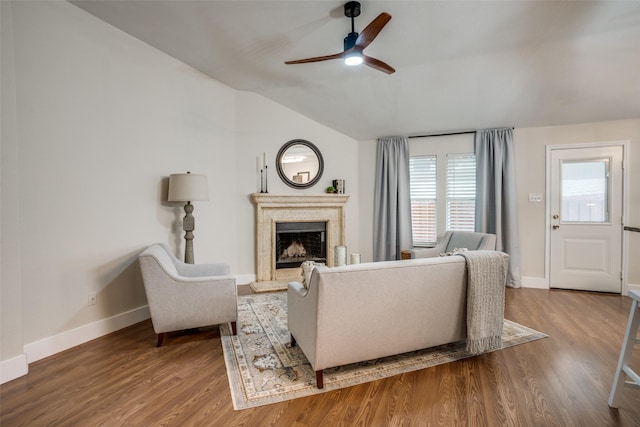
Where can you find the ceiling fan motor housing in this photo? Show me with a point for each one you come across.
(352, 9)
(350, 40)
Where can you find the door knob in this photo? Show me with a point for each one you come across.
(555, 216)
(555, 227)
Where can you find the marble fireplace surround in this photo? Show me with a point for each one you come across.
(272, 209)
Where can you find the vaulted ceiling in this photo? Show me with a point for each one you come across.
(460, 65)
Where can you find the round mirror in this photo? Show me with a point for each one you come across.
(299, 163)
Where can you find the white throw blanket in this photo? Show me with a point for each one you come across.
(486, 279)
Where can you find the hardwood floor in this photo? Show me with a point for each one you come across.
(563, 380)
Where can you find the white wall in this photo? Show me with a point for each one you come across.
(11, 350)
(530, 152)
(264, 126)
(98, 122)
(101, 120)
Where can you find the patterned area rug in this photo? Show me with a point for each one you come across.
(263, 368)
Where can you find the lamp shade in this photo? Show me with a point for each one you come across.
(188, 187)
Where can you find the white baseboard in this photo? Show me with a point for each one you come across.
(245, 279)
(49, 346)
(13, 368)
(534, 282)
(633, 287)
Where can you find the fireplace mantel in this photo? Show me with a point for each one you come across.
(293, 200)
(271, 209)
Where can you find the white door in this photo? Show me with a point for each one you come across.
(586, 219)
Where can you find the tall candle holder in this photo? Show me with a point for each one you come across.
(266, 177)
(264, 173)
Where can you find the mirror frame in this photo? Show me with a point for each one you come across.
(281, 154)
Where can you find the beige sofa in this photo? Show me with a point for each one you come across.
(366, 311)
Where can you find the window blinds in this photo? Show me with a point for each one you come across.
(422, 170)
(461, 192)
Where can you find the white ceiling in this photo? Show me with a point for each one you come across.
(459, 65)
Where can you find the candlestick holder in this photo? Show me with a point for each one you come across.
(266, 178)
(261, 180)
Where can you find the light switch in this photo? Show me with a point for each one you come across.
(535, 197)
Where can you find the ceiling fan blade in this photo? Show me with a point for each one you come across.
(377, 64)
(316, 59)
(371, 31)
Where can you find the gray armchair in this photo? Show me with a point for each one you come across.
(457, 239)
(183, 296)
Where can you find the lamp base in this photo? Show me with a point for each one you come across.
(188, 224)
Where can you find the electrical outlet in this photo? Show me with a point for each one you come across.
(535, 197)
(92, 298)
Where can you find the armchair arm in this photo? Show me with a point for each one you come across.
(435, 251)
(427, 252)
(198, 270)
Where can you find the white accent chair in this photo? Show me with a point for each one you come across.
(456, 239)
(184, 296)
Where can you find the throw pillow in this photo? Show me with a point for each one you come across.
(307, 268)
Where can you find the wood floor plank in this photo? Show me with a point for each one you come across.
(563, 380)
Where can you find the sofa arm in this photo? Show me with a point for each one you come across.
(303, 315)
(298, 289)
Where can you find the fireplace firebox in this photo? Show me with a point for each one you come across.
(297, 242)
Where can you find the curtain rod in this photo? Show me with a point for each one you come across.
(464, 132)
(442, 134)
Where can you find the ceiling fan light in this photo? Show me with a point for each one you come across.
(353, 58)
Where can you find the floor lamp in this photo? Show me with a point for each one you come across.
(188, 187)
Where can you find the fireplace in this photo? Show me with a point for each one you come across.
(297, 242)
(279, 220)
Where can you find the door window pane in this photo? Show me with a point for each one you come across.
(584, 191)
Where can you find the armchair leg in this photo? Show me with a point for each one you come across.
(319, 379)
(293, 341)
(234, 328)
(161, 339)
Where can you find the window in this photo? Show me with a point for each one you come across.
(461, 192)
(422, 172)
(457, 186)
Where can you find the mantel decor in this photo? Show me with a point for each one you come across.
(299, 164)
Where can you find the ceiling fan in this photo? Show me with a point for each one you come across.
(355, 43)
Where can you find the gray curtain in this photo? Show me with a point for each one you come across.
(496, 208)
(392, 200)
